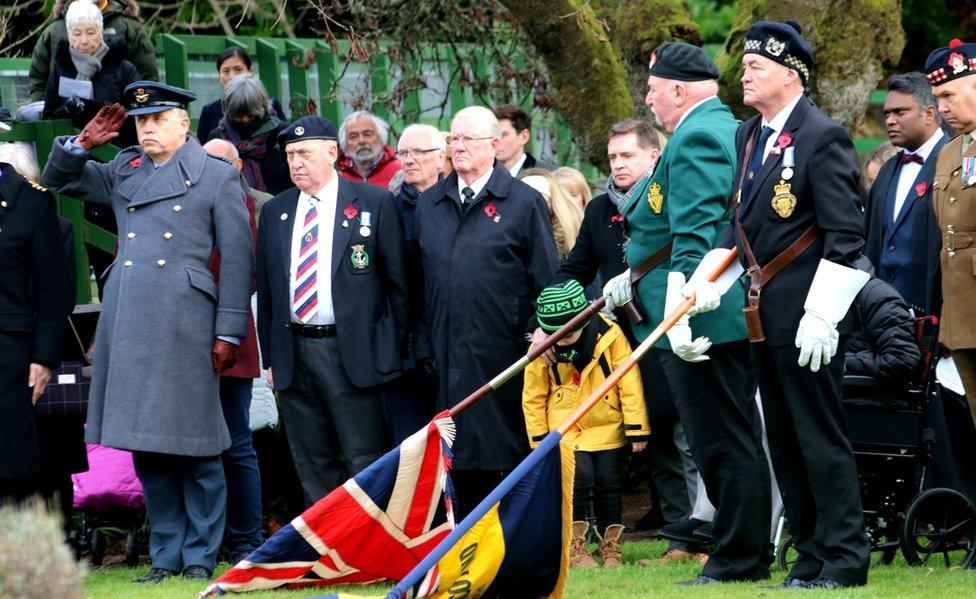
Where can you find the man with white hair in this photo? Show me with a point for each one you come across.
(366, 156)
(167, 329)
(684, 204)
(409, 401)
(332, 308)
(486, 251)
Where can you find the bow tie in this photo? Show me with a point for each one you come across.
(906, 157)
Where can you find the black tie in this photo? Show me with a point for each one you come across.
(755, 163)
(906, 157)
(468, 194)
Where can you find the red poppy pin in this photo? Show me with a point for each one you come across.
(350, 211)
(490, 210)
(784, 140)
(136, 162)
(921, 188)
(576, 379)
(617, 218)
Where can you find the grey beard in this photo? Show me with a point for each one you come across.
(366, 157)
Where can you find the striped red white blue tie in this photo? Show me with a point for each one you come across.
(306, 301)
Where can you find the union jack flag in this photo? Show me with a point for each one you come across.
(378, 525)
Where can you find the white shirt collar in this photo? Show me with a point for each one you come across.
(518, 165)
(779, 121)
(475, 186)
(925, 149)
(692, 108)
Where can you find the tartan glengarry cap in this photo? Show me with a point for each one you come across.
(558, 304)
(308, 127)
(956, 60)
(682, 62)
(782, 43)
(147, 97)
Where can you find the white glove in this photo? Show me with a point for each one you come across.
(832, 291)
(679, 335)
(708, 295)
(817, 340)
(618, 291)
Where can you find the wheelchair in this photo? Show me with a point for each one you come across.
(912, 446)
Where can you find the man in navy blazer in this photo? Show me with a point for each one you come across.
(902, 234)
(332, 308)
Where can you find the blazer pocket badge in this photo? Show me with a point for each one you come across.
(783, 202)
(359, 257)
(655, 198)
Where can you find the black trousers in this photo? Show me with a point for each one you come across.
(335, 429)
(717, 406)
(599, 483)
(814, 465)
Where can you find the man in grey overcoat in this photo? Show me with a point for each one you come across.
(166, 328)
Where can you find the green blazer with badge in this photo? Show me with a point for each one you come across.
(686, 201)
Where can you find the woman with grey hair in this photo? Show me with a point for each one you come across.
(88, 71)
(251, 125)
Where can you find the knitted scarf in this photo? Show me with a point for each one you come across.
(88, 65)
(252, 149)
(620, 197)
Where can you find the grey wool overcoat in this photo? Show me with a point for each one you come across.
(153, 386)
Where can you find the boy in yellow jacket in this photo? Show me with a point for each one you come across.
(584, 358)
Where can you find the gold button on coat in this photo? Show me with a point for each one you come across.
(177, 208)
(167, 235)
(952, 254)
(160, 263)
(127, 263)
(131, 235)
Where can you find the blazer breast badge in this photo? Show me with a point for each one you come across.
(783, 201)
(655, 198)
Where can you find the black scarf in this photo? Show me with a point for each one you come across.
(580, 354)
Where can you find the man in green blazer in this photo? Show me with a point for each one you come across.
(686, 203)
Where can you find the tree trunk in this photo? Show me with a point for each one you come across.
(587, 74)
(854, 43)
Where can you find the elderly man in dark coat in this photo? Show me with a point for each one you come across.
(166, 328)
(486, 250)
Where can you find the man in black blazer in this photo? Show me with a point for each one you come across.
(332, 308)
(35, 301)
(903, 239)
(797, 169)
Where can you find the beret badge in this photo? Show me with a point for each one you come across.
(299, 130)
(774, 46)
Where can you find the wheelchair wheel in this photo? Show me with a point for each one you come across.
(939, 522)
(786, 555)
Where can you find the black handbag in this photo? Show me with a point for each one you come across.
(67, 393)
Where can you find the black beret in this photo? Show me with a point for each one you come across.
(147, 97)
(308, 127)
(782, 43)
(682, 62)
(952, 62)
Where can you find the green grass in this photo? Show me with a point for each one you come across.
(896, 580)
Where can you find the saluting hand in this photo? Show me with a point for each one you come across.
(103, 128)
(223, 355)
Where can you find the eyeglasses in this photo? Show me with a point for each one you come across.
(455, 140)
(404, 154)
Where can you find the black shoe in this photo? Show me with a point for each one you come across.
(795, 583)
(700, 581)
(197, 573)
(703, 533)
(826, 583)
(155, 576)
(682, 531)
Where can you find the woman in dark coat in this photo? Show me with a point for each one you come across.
(883, 344)
(251, 125)
(34, 304)
(231, 63)
(84, 58)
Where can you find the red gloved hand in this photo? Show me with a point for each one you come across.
(223, 355)
(103, 128)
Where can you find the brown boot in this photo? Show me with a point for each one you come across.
(610, 547)
(579, 557)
